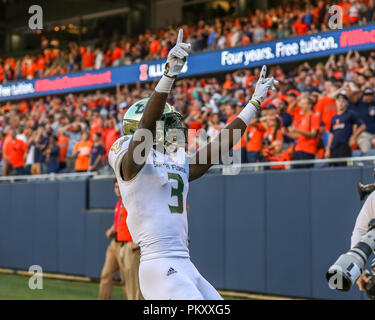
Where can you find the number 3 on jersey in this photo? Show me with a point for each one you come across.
(177, 192)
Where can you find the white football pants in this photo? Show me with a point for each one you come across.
(174, 279)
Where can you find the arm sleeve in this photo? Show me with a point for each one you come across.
(365, 215)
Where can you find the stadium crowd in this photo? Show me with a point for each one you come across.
(258, 26)
(322, 110)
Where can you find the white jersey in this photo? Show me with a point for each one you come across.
(366, 214)
(155, 200)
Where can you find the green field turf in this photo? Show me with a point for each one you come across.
(15, 287)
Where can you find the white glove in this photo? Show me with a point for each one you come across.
(177, 57)
(263, 85)
(260, 93)
(175, 62)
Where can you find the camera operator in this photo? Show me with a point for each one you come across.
(361, 228)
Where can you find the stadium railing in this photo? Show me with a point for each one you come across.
(49, 176)
(216, 169)
(317, 163)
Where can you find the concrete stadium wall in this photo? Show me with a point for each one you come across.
(271, 232)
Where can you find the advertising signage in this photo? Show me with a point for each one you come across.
(275, 52)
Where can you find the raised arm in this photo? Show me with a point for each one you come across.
(155, 107)
(227, 136)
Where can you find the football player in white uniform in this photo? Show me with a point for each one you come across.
(154, 184)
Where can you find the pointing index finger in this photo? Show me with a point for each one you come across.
(263, 72)
(180, 35)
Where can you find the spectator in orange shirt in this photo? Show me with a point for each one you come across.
(250, 78)
(228, 81)
(24, 107)
(16, 152)
(108, 58)
(345, 5)
(154, 46)
(300, 26)
(354, 12)
(96, 124)
(274, 154)
(6, 165)
(273, 128)
(325, 107)
(40, 62)
(81, 152)
(62, 143)
(253, 139)
(1, 73)
(305, 130)
(117, 52)
(29, 68)
(88, 59)
(293, 108)
(112, 133)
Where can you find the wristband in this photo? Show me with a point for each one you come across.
(165, 84)
(256, 102)
(248, 112)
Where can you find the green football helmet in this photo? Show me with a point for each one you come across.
(172, 119)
